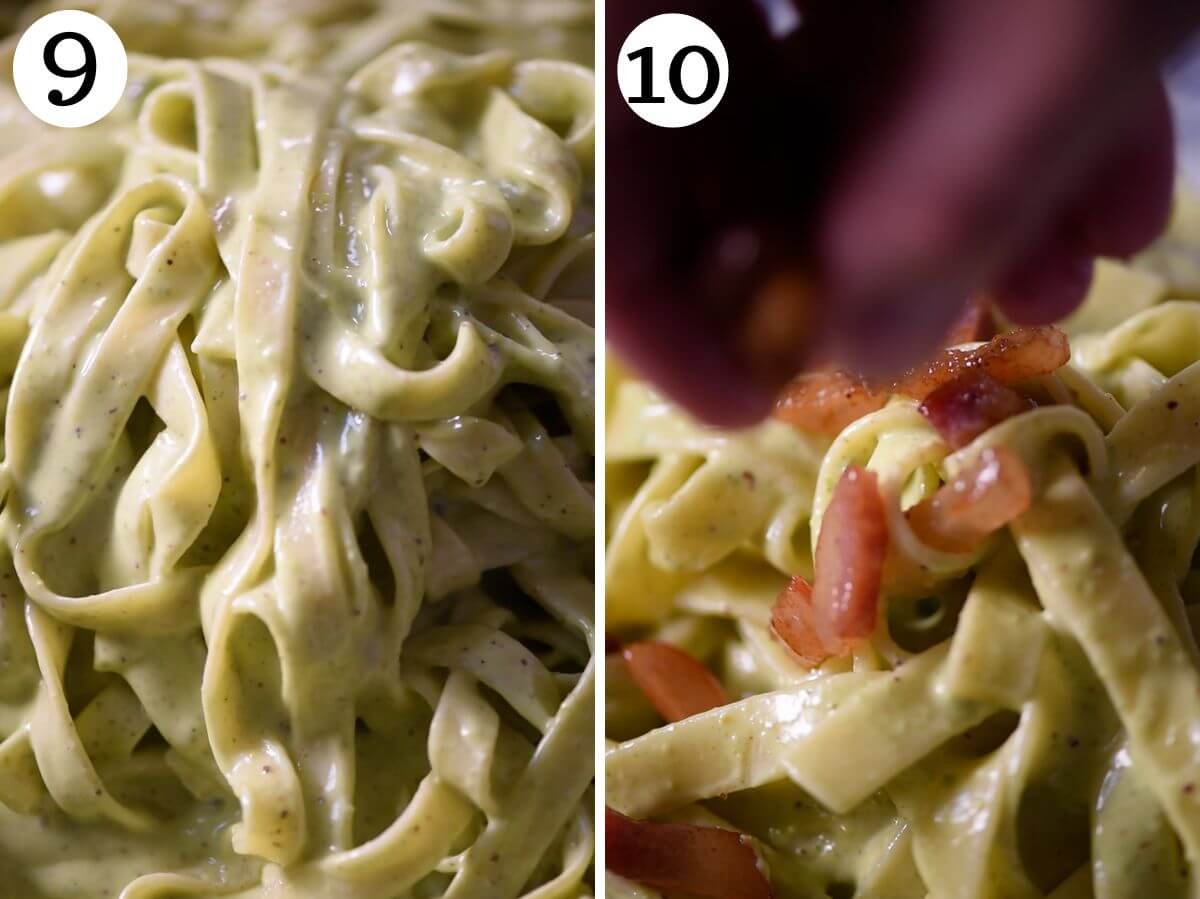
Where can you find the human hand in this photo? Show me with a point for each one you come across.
(865, 176)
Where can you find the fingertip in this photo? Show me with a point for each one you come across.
(689, 361)
(896, 271)
(1047, 286)
(751, 407)
(889, 332)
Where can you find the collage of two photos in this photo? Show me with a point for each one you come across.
(481, 449)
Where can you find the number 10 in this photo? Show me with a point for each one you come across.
(645, 57)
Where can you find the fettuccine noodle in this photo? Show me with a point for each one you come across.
(296, 572)
(1025, 720)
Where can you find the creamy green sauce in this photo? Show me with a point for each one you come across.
(295, 578)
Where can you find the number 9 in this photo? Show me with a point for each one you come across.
(87, 70)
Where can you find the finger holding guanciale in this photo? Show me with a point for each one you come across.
(675, 683)
(826, 402)
(975, 503)
(703, 862)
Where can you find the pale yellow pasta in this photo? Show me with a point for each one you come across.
(296, 543)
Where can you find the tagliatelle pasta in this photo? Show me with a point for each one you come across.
(1023, 720)
(295, 577)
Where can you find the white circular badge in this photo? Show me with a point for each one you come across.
(70, 68)
(673, 70)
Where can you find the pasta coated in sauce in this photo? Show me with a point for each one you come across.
(296, 565)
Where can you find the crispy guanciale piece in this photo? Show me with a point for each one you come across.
(705, 862)
(825, 402)
(674, 682)
(972, 403)
(794, 620)
(1009, 358)
(974, 503)
(849, 561)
